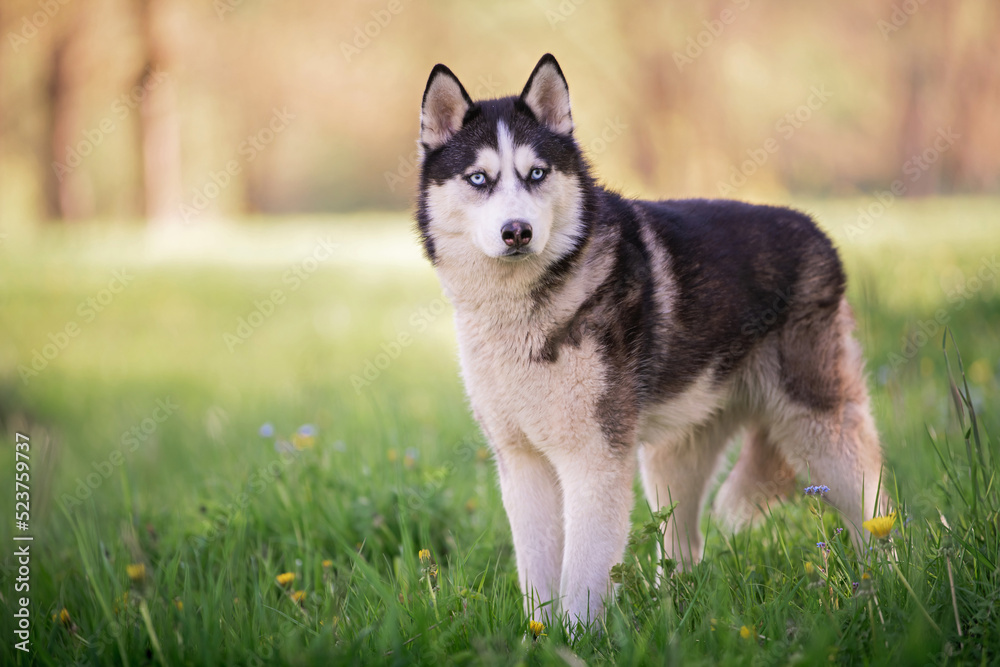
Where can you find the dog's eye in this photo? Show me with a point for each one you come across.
(537, 174)
(477, 179)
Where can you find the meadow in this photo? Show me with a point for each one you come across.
(244, 436)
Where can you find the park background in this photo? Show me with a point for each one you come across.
(234, 363)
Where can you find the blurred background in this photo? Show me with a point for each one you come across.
(133, 109)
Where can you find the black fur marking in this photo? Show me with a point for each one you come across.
(742, 273)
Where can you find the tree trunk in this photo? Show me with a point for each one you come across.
(159, 126)
(68, 191)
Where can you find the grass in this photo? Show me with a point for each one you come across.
(146, 449)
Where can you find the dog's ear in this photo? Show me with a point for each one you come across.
(444, 106)
(547, 95)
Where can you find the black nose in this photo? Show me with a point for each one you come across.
(516, 233)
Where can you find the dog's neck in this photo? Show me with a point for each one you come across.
(494, 293)
(486, 287)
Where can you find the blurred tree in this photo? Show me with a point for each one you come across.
(669, 98)
(159, 127)
(68, 194)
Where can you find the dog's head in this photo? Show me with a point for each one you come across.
(502, 178)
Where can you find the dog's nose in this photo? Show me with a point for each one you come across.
(516, 233)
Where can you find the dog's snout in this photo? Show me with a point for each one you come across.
(516, 233)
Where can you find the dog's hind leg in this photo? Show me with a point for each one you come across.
(678, 471)
(760, 476)
(533, 502)
(841, 451)
(833, 440)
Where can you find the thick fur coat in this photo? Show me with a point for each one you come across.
(599, 336)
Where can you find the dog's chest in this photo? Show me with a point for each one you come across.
(515, 393)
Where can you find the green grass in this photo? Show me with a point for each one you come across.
(215, 511)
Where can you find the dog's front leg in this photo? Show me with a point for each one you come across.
(597, 501)
(533, 503)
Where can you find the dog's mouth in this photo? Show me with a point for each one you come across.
(516, 255)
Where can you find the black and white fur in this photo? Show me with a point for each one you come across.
(598, 334)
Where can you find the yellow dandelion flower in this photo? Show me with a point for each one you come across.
(327, 564)
(63, 616)
(537, 628)
(392, 455)
(745, 632)
(424, 555)
(880, 526)
(179, 604)
(866, 576)
(298, 596)
(285, 578)
(136, 572)
(301, 441)
(809, 568)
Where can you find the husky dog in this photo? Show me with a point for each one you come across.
(598, 334)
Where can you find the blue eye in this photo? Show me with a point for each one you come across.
(477, 179)
(537, 174)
